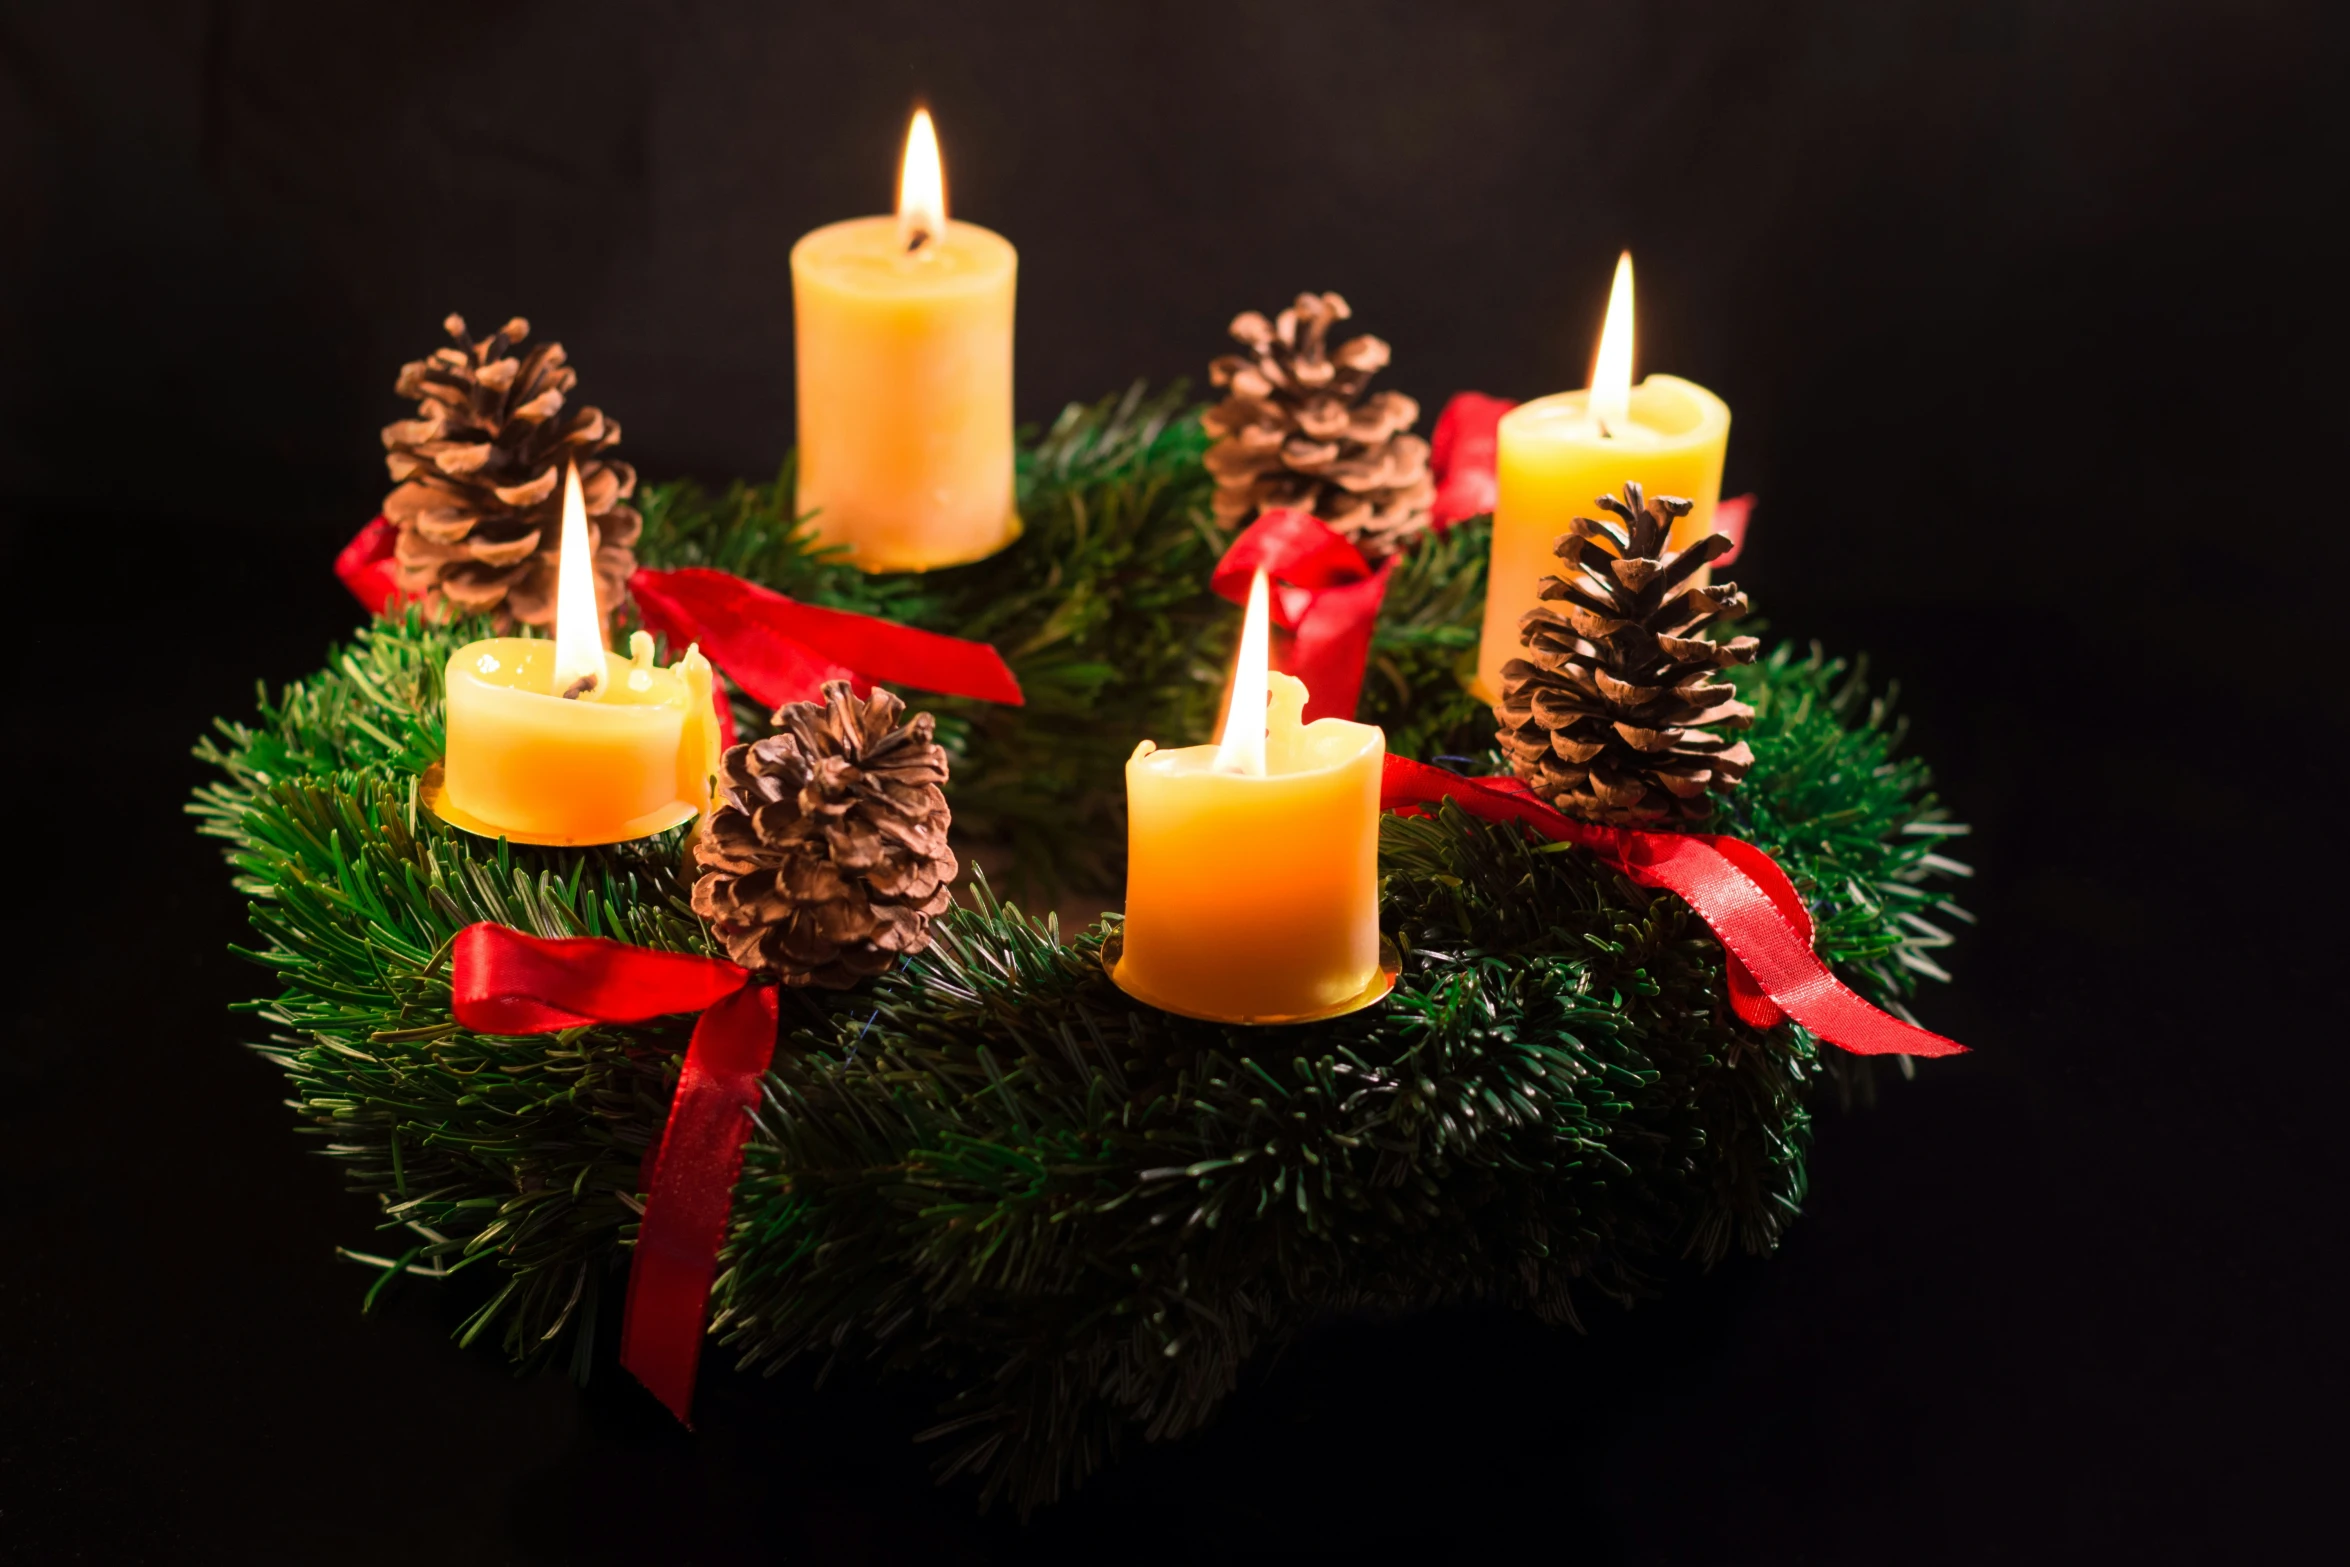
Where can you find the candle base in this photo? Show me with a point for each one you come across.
(432, 792)
(1004, 541)
(1382, 981)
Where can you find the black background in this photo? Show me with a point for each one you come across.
(2030, 316)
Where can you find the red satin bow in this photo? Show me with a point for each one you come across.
(504, 982)
(1325, 595)
(1739, 891)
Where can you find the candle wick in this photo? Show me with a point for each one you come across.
(916, 240)
(579, 688)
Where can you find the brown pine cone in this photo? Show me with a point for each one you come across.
(479, 475)
(1611, 714)
(829, 855)
(1296, 428)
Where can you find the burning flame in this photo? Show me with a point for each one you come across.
(1611, 371)
(1241, 747)
(579, 628)
(922, 186)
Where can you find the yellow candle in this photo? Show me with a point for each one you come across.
(905, 378)
(1252, 882)
(561, 742)
(630, 758)
(1559, 454)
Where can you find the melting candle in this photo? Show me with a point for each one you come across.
(560, 742)
(1252, 881)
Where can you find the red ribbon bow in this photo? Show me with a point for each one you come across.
(504, 982)
(776, 648)
(1325, 595)
(1739, 891)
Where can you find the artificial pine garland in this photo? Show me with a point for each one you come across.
(992, 1165)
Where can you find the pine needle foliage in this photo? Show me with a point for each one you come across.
(991, 1166)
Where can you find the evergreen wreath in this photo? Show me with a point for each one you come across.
(991, 1165)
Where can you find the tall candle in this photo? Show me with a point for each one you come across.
(560, 742)
(1252, 881)
(905, 378)
(1558, 454)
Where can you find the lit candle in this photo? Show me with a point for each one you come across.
(1252, 881)
(1559, 454)
(561, 742)
(905, 378)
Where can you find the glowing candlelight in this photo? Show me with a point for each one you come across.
(922, 186)
(1241, 747)
(579, 627)
(1611, 367)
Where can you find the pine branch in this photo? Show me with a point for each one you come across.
(1425, 649)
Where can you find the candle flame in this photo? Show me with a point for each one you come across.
(579, 628)
(1241, 747)
(922, 186)
(1611, 371)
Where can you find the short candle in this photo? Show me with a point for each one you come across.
(1252, 882)
(904, 345)
(1556, 455)
(561, 742)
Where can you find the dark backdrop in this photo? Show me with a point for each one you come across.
(2029, 315)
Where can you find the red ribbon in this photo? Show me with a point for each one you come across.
(504, 982)
(367, 568)
(1739, 891)
(1730, 519)
(777, 649)
(781, 650)
(1462, 452)
(1325, 595)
